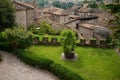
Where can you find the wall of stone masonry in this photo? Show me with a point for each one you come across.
(82, 42)
(21, 17)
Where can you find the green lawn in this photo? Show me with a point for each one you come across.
(92, 64)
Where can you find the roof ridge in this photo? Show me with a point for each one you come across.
(22, 3)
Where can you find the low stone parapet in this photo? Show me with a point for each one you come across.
(82, 42)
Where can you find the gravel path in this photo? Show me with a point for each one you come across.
(12, 68)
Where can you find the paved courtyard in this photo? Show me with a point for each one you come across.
(12, 68)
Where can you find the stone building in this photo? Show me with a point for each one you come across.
(54, 14)
(85, 12)
(73, 21)
(89, 31)
(24, 13)
(59, 17)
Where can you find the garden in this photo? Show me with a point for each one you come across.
(59, 51)
(92, 63)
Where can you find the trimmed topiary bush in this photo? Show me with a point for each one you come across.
(64, 73)
(68, 43)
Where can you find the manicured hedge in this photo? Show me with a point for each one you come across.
(36, 62)
(47, 64)
(63, 73)
(5, 46)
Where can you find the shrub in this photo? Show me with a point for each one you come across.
(68, 40)
(68, 43)
(31, 27)
(34, 29)
(44, 28)
(7, 14)
(93, 5)
(55, 31)
(60, 71)
(3, 36)
(5, 46)
(19, 38)
(63, 73)
(39, 62)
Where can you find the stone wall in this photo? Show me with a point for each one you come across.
(86, 33)
(73, 24)
(92, 21)
(60, 19)
(21, 17)
(82, 42)
(63, 19)
(30, 17)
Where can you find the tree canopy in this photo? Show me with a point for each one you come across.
(114, 23)
(7, 14)
(63, 5)
(93, 5)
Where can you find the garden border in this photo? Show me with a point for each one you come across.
(82, 42)
(43, 63)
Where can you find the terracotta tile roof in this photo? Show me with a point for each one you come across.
(24, 4)
(29, 3)
(60, 13)
(56, 25)
(74, 8)
(73, 16)
(52, 9)
(90, 10)
(89, 26)
(102, 18)
(47, 15)
(85, 10)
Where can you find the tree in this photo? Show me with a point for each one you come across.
(68, 43)
(42, 3)
(7, 14)
(116, 1)
(93, 5)
(114, 23)
(45, 27)
(63, 5)
(115, 27)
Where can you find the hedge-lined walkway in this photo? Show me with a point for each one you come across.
(12, 68)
